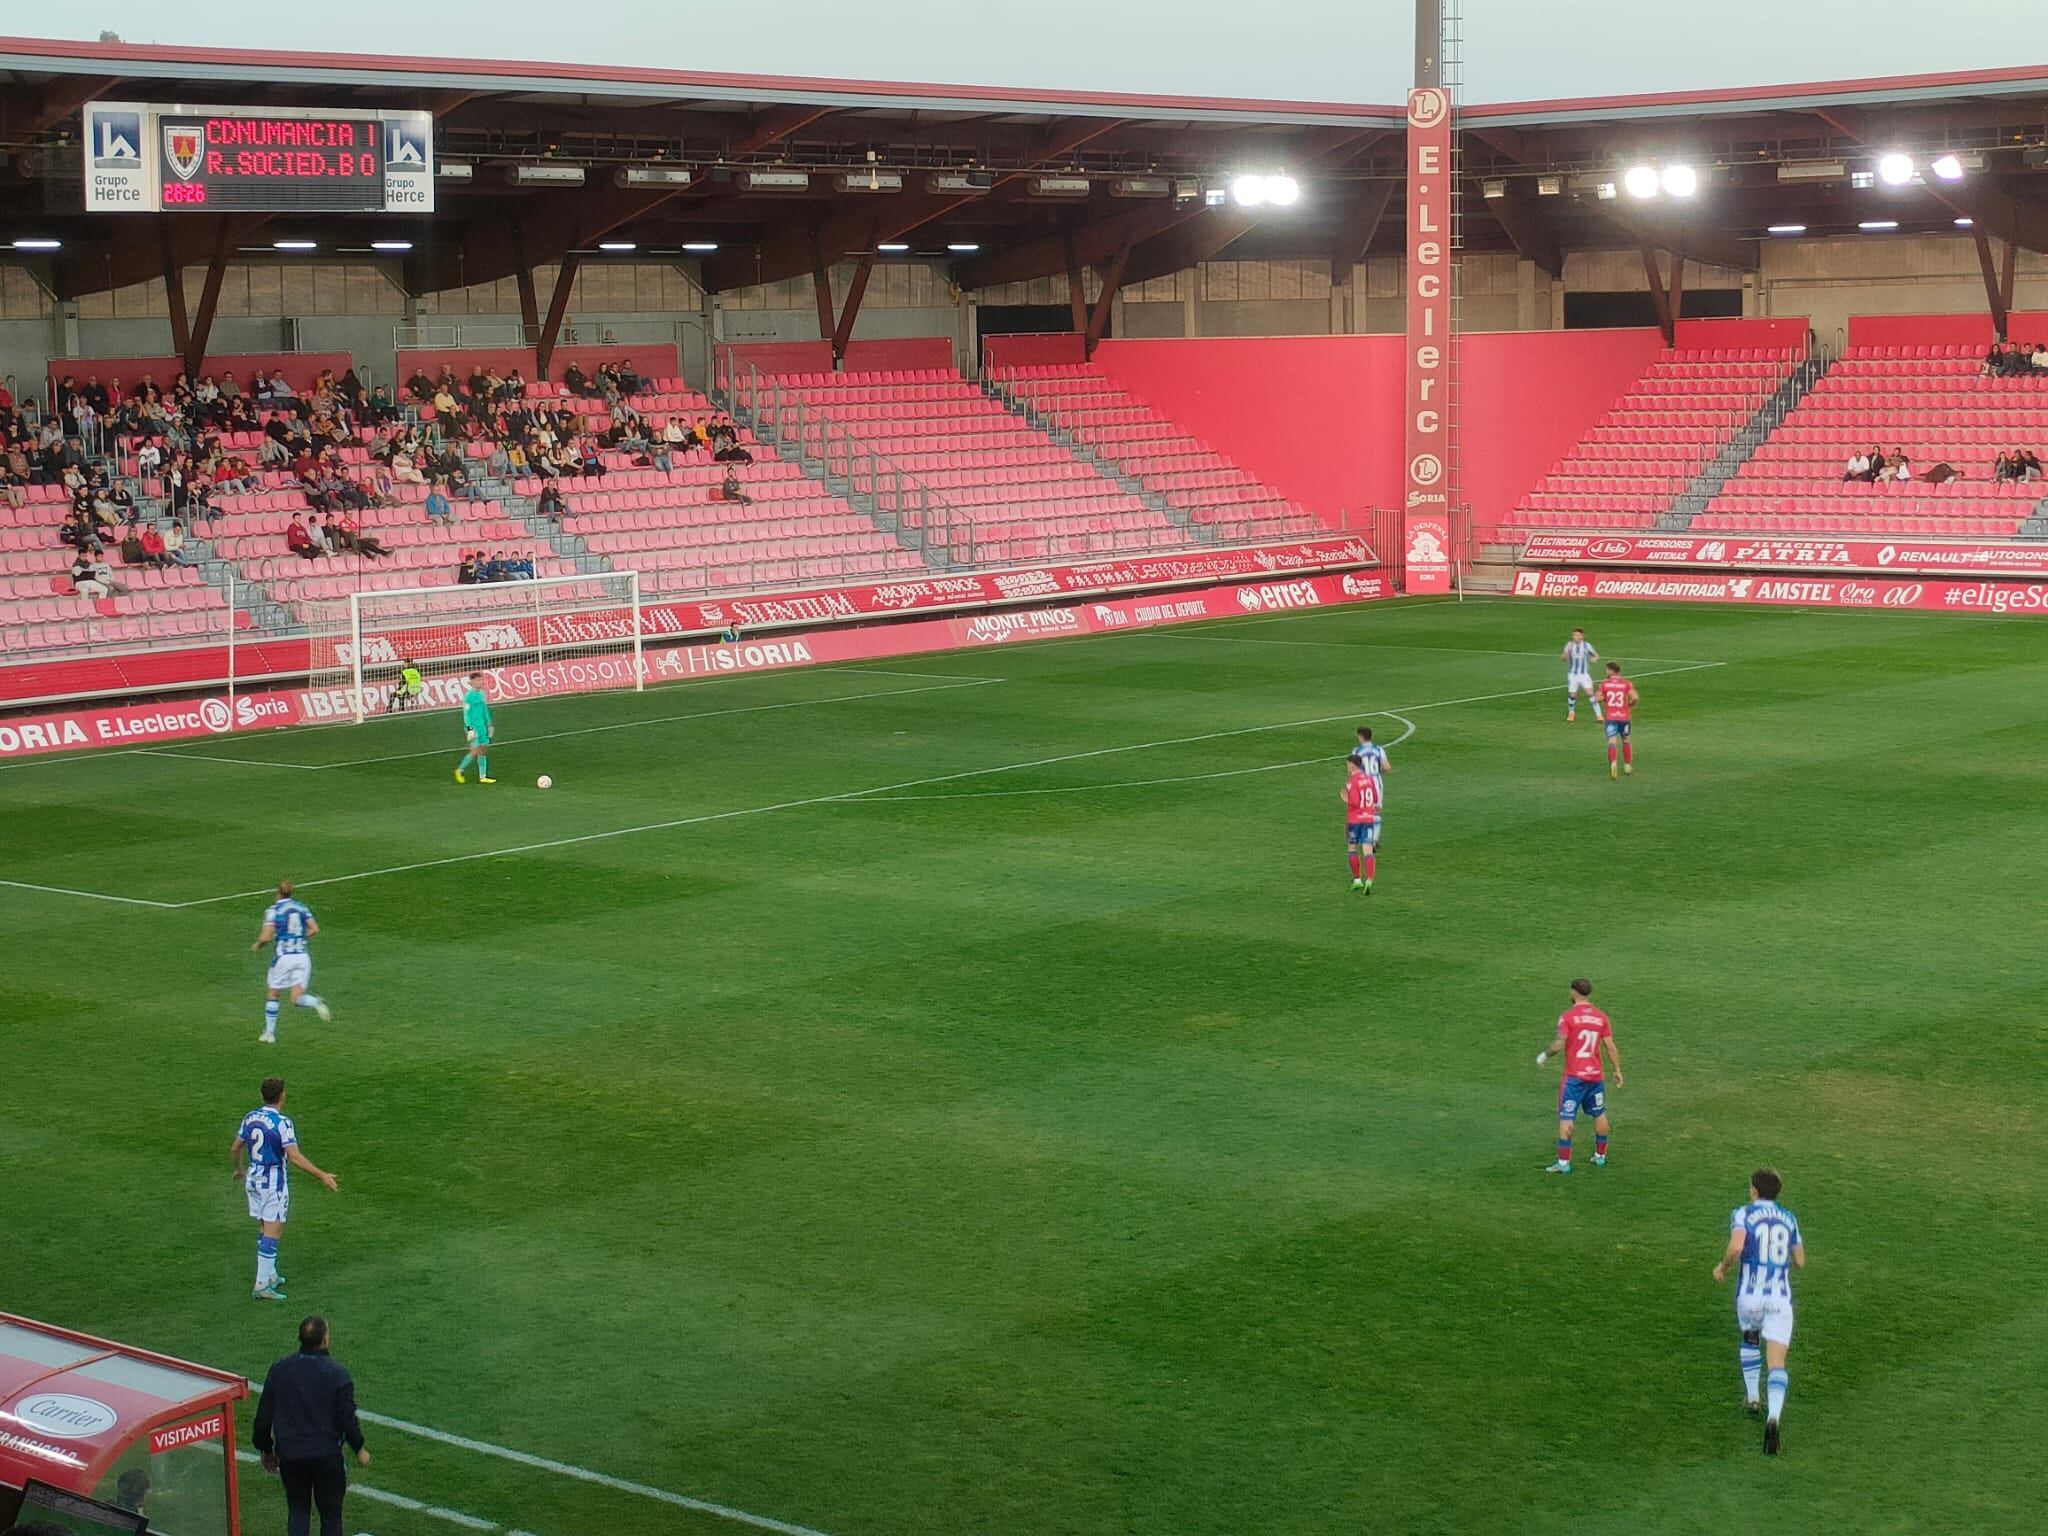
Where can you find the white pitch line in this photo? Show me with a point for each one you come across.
(1377, 645)
(239, 762)
(601, 1479)
(1089, 789)
(65, 890)
(631, 725)
(886, 789)
(397, 1500)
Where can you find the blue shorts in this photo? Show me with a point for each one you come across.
(1577, 1094)
(1617, 730)
(1362, 834)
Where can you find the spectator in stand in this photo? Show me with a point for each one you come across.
(729, 489)
(379, 409)
(519, 568)
(515, 385)
(348, 534)
(91, 577)
(299, 541)
(2030, 464)
(590, 462)
(1901, 466)
(2007, 466)
(420, 387)
(465, 573)
(316, 534)
(174, 544)
(121, 503)
(438, 509)
(405, 471)
(575, 380)
(155, 551)
(230, 388)
(1942, 473)
(1859, 466)
(551, 506)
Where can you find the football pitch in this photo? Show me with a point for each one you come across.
(964, 1094)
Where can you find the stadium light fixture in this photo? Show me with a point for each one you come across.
(1966, 223)
(391, 245)
(1549, 186)
(295, 245)
(617, 246)
(1639, 181)
(1680, 180)
(892, 247)
(1878, 226)
(1283, 191)
(1948, 167)
(1785, 229)
(700, 247)
(1248, 191)
(1493, 187)
(39, 243)
(1895, 169)
(963, 247)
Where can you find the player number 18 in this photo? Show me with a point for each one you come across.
(1774, 1244)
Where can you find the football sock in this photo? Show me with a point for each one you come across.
(1357, 870)
(270, 1017)
(1599, 1145)
(1371, 863)
(1752, 1371)
(266, 1261)
(467, 759)
(308, 1000)
(1610, 757)
(1628, 752)
(1564, 1150)
(483, 767)
(1776, 1408)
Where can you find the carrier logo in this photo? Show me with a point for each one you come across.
(184, 148)
(62, 1416)
(117, 140)
(1278, 596)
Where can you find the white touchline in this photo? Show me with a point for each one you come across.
(65, 890)
(1365, 645)
(887, 789)
(385, 1496)
(601, 1479)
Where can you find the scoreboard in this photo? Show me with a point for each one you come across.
(146, 158)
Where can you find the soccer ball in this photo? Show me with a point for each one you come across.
(543, 782)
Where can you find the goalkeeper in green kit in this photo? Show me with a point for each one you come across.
(476, 722)
(410, 686)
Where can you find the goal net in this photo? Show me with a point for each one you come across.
(568, 634)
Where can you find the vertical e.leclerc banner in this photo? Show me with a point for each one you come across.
(1426, 524)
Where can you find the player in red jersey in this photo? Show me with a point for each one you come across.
(1616, 701)
(1362, 825)
(1582, 1032)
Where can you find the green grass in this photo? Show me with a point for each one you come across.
(1094, 1162)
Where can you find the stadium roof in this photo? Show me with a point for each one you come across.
(1534, 170)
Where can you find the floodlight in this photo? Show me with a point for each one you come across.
(1639, 181)
(1895, 169)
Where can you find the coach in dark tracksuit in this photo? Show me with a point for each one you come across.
(308, 1410)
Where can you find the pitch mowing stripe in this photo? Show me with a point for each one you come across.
(601, 1479)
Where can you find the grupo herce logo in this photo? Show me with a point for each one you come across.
(215, 715)
(1425, 469)
(1427, 106)
(63, 1416)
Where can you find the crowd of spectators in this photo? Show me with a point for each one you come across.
(2014, 360)
(477, 567)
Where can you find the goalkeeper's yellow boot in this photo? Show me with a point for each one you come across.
(482, 780)
(459, 778)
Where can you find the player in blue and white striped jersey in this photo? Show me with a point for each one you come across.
(1763, 1238)
(288, 925)
(1579, 655)
(269, 1142)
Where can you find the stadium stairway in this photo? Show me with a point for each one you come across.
(1710, 481)
(1934, 402)
(1657, 441)
(1134, 446)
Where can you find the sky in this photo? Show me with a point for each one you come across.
(1306, 50)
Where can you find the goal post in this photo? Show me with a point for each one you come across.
(567, 634)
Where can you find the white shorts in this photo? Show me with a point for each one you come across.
(1578, 682)
(288, 971)
(1770, 1316)
(268, 1204)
